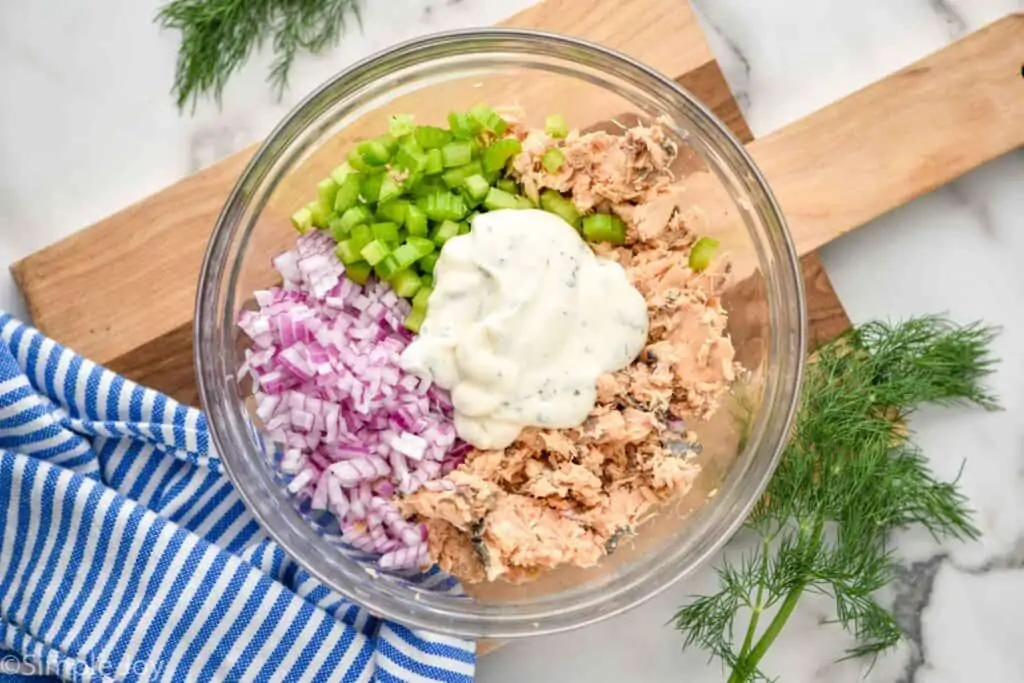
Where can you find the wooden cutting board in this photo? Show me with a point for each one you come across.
(122, 291)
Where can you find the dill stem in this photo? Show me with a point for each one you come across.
(756, 610)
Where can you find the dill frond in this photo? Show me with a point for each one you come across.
(847, 479)
(219, 36)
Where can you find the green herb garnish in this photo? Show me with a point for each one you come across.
(848, 478)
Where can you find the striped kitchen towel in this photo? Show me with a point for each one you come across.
(126, 555)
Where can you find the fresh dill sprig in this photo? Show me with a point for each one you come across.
(848, 478)
(219, 36)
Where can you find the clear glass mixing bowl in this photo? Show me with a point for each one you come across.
(591, 86)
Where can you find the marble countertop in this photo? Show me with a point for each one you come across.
(88, 127)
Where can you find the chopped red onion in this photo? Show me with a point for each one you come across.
(328, 386)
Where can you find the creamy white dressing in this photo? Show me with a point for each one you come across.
(522, 320)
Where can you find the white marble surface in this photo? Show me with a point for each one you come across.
(88, 127)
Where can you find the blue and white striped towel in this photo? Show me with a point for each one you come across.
(125, 554)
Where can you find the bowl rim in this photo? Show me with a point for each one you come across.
(640, 587)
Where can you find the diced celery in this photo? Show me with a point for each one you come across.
(414, 320)
(463, 228)
(476, 186)
(525, 203)
(435, 162)
(406, 255)
(552, 160)
(302, 220)
(405, 283)
(342, 172)
(431, 137)
(457, 153)
(374, 252)
(400, 124)
(415, 161)
(347, 195)
(444, 232)
(325, 191)
(393, 210)
(556, 126)
(454, 177)
(422, 245)
(415, 220)
(441, 206)
(358, 272)
(348, 251)
(386, 268)
(419, 302)
(463, 126)
(386, 231)
(370, 186)
(377, 152)
(361, 236)
(702, 252)
(389, 189)
(603, 227)
(355, 160)
(499, 199)
(337, 228)
(499, 152)
(427, 263)
(320, 213)
(555, 203)
(488, 119)
(357, 215)
(507, 185)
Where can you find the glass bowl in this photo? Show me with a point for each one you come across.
(593, 87)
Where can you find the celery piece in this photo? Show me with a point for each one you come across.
(431, 137)
(414, 321)
(702, 252)
(415, 221)
(422, 245)
(419, 302)
(386, 231)
(370, 186)
(444, 232)
(405, 283)
(361, 236)
(342, 172)
(488, 119)
(358, 272)
(320, 213)
(428, 186)
(441, 206)
(375, 252)
(393, 210)
(428, 262)
(497, 154)
(552, 160)
(378, 151)
(337, 228)
(412, 160)
(463, 126)
(400, 124)
(476, 186)
(302, 220)
(509, 186)
(348, 251)
(389, 189)
(553, 202)
(463, 228)
(435, 162)
(499, 199)
(454, 177)
(355, 160)
(556, 126)
(386, 268)
(524, 203)
(357, 215)
(603, 227)
(347, 195)
(325, 191)
(406, 255)
(458, 153)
